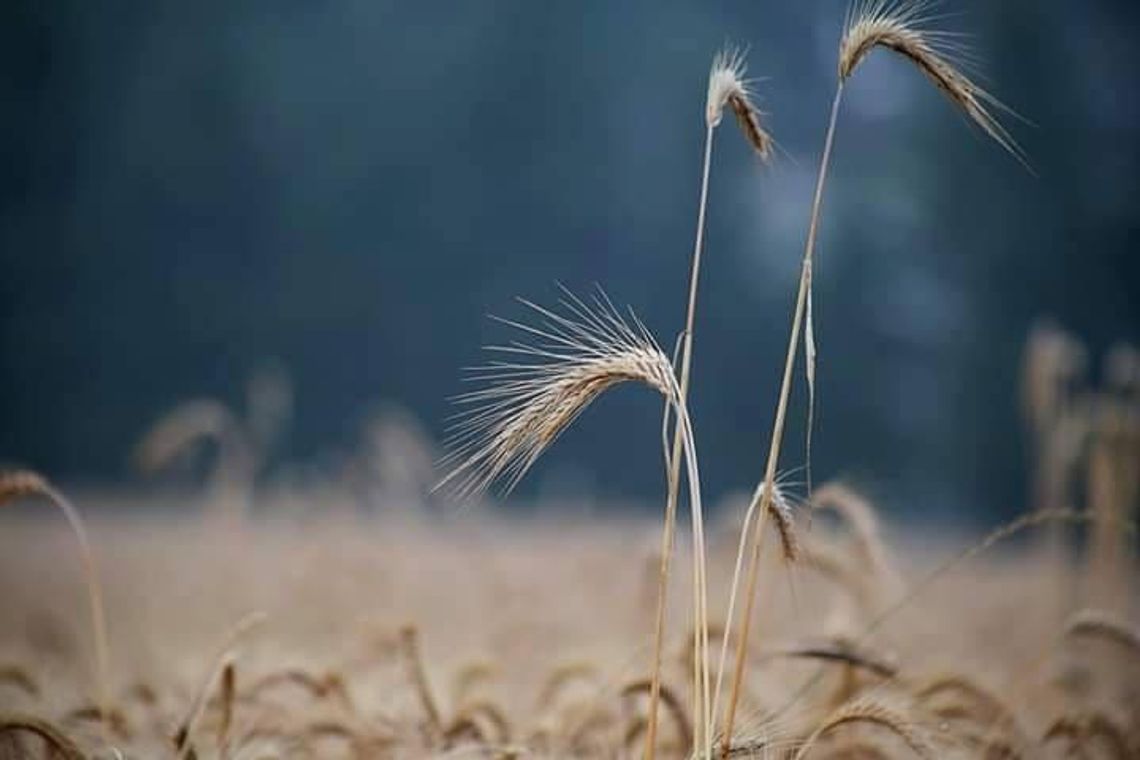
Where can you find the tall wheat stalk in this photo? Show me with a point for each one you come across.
(727, 87)
(893, 25)
(574, 356)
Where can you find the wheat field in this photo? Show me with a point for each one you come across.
(481, 637)
(256, 618)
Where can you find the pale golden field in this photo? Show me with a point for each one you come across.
(472, 636)
(268, 618)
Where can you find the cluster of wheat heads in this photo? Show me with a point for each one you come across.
(515, 419)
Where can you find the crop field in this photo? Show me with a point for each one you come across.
(243, 613)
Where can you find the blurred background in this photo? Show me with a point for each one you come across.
(343, 190)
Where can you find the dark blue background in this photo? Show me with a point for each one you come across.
(190, 188)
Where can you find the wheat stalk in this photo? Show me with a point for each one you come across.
(899, 26)
(222, 662)
(781, 510)
(417, 674)
(726, 87)
(22, 484)
(576, 354)
(58, 742)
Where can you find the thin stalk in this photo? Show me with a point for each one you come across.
(95, 603)
(778, 427)
(667, 538)
(737, 568)
(702, 734)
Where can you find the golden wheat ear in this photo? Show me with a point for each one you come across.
(728, 87)
(904, 26)
(874, 713)
(575, 353)
(175, 433)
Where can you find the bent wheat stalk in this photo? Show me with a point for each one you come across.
(199, 420)
(874, 713)
(22, 484)
(898, 25)
(727, 87)
(58, 742)
(782, 513)
(222, 662)
(577, 354)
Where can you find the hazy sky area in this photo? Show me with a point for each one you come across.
(191, 189)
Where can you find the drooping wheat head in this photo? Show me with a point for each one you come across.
(1094, 623)
(530, 400)
(206, 420)
(863, 522)
(527, 400)
(903, 27)
(184, 426)
(728, 87)
(874, 713)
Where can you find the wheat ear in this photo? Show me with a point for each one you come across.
(188, 424)
(577, 353)
(21, 484)
(902, 26)
(873, 713)
(1095, 623)
(727, 87)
